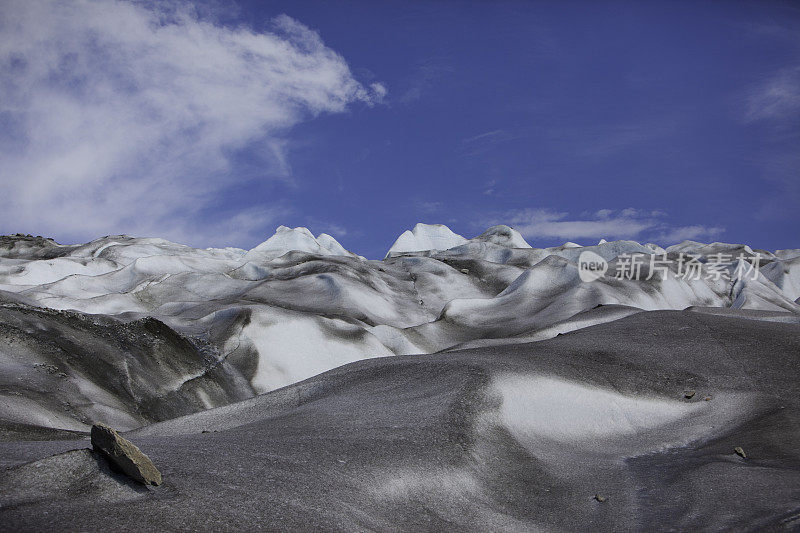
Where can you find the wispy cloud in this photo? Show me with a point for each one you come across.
(684, 233)
(604, 140)
(628, 223)
(126, 117)
(426, 74)
(771, 106)
(484, 142)
(777, 97)
(427, 206)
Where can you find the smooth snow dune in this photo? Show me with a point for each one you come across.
(507, 438)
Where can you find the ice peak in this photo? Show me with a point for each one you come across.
(299, 239)
(503, 235)
(426, 237)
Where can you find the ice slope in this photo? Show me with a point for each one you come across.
(68, 370)
(785, 274)
(297, 305)
(550, 292)
(510, 438)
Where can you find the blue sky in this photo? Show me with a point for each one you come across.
(212, 124)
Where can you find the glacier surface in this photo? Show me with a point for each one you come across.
(251, 321)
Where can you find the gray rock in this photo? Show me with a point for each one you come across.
(689, 394)
(126, 455)
(740, 452)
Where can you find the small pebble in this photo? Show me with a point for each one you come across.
(740, 452)
(689, 394)
(599, 498)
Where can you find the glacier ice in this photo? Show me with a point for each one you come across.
(297, 305)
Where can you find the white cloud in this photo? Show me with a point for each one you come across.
(379, 90)
(125, 117)
(628, 223)
(549, 223)
(776, 98)
(684, 233)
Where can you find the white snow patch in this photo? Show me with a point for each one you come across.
(293, 348)
(541, 408)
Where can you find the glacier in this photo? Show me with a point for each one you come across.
(457, 384)
(296, 305)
